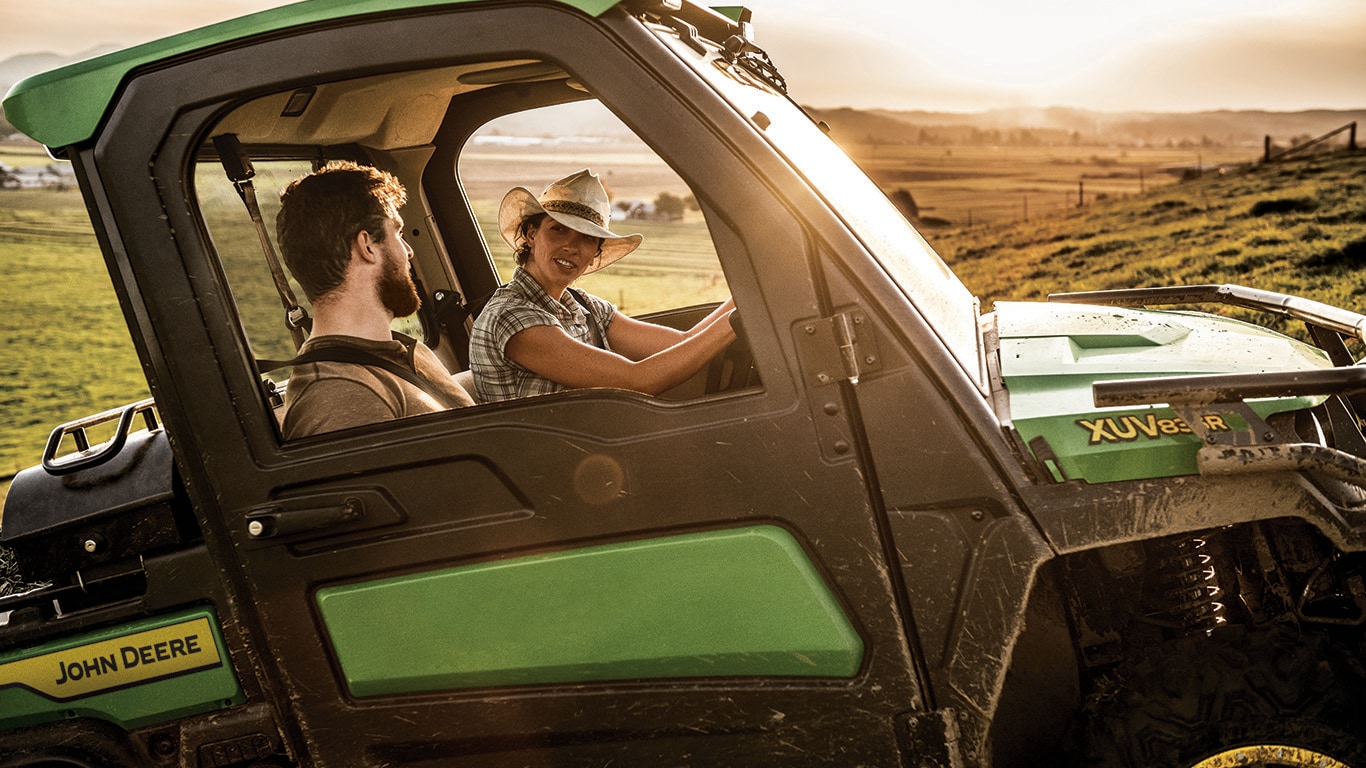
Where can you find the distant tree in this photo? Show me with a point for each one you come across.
(691, 202)
(905, 203)
(669, 206)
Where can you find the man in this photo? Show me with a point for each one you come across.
(342, 238)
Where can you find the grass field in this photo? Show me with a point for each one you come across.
(1297, 227)
(66, 350)
(966, 186)
(24, 156)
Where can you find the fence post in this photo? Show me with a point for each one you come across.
(1352, 137)
(1266, 149)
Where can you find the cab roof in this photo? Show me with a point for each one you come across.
(64, 106)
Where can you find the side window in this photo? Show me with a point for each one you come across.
(674, 278)
(676, 265)
(243, 259)
(240, 252)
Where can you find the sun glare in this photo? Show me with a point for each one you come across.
(1034, 51)
(1033, 44)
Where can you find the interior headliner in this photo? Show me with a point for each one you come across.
(387, 112)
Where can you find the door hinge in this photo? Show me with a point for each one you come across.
(838, 348)
(930, 738)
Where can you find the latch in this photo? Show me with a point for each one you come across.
(837, 348)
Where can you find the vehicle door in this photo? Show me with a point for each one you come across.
(593, 575)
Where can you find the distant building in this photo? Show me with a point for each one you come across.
(51, 176)
(641, 210)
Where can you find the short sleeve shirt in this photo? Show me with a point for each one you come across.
(329, 395)
(515, 307)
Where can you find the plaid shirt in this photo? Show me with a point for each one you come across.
(515, 307)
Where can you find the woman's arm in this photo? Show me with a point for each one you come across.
(549, 352)
(637, 340)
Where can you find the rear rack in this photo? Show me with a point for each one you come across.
(87, 456)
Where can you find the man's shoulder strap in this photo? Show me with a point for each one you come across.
(346, 354)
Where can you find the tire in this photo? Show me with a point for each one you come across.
(1239, 698)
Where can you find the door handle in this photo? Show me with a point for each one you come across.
(278, 520)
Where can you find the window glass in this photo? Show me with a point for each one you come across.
(243, 258)
(241, 254)
(924, 277)
(675, 266)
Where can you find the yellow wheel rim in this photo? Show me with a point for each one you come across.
(1268, 755)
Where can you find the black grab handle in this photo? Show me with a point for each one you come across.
(85, 456)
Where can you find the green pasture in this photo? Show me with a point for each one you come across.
(24, 155)
(67, 352)
(965, 186)
(1296, 227)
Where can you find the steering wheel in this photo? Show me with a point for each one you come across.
(734, 368)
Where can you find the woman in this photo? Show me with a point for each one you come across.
(538, 335)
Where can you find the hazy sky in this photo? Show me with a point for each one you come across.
(961, 55)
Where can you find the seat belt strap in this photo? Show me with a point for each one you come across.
(342, 354)
(240, 172)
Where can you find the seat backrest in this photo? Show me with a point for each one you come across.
(465, 379)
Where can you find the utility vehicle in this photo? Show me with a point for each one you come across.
(883, 529)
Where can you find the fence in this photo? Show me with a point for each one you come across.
(1351, 129)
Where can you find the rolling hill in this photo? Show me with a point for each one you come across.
(1296, 227)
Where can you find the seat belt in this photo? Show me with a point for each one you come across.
(240, 172)
(344, 354)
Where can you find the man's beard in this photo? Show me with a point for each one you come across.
(397, 292)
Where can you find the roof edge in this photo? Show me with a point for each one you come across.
(65, 106)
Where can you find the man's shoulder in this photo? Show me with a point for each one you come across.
(327, 396)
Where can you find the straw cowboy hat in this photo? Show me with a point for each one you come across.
(577, 201)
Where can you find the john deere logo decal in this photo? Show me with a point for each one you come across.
(118, 663)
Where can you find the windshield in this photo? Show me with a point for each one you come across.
(926, 280)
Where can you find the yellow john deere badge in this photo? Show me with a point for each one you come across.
(117, 663)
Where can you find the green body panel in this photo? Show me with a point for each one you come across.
(1051, 354)
(133, 675)
(65, 106)
(721, 603)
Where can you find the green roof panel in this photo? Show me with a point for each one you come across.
(65, 106)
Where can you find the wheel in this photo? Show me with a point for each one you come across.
(1236, 699)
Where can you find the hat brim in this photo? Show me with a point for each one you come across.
(519, 203)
